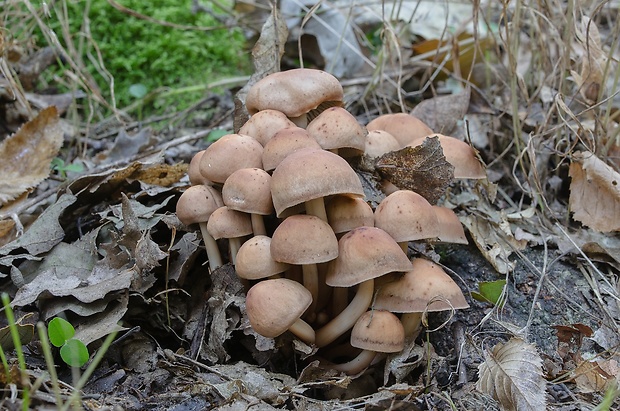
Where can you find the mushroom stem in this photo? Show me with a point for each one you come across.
(357, 364)
(316, 208)
(347, 318)
(340, 299)
(303, 331)
(311, 282)
(412, 323)
(258, 224)
(234, 244)
(213, 252)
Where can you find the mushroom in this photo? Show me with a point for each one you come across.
(450, 227)
(375, 331)
(407, 216)
(193, 171)
(404, 127)
(364, 254)
(460, 154)
(229, 224)
(337, 130)
(426, 288)
(297, 93)
(379, 142)
(195, 206)
(285, 142)
(276, 305)
(305, 240)
(249, 190)
(265, 124)
(216, 164)
(307, 176)
(254, 260)
(346, 213)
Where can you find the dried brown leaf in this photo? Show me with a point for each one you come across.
(423, 169)
(593, 60)
(25, 156)
(512, 375)
(441, 113)
(594, 193)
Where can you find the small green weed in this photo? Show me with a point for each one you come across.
(72, 351)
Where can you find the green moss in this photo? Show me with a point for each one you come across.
(137, 51)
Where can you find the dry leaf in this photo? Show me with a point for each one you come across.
(594, 193)
(423, 169)
(25, 156)
(512, 375)
(442, 113)
(595, 375)
(593, 61)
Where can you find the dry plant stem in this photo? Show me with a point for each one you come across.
(258, 224)
(213, 252)
(347, 318)
(357, 364)
(316, 208)
(303, 331)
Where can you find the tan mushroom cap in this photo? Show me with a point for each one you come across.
(407, 216)
(450, 227)
(404, 127)
(265, 124)
(304, 239)
(273, 306)
(379, 331)
(228, 154)
(227, 223)
(309, 174)
(365, 253)
(414, 292)
(193, 171)
(460, 154)
(294, 92)
(337, 129)
(346, 213)
(197, 203)
(379, 142)
(254, 261)
(285, 142)
(248, 190)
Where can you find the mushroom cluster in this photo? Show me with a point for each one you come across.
(318, 261)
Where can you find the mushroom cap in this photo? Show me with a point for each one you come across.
(346, 213)
(379, 331)
(274, 305)
(197, 203)
(309, 174)
(407, 216)
(365, 253)
(254, 260)
(216, 163)
(450, 227)
(460, 154)
(227, 223)
(404, 127)
(379, 142)
(264, 124)
(248, 190)
(336, 128)
(285, 142)
(304, 239)
(415, 290)
(193, 171)
(294, 92)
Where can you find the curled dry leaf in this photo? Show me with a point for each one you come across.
(593, 61)
(594, 193)
(25, 156)
(512, 375)
(442, 113)
(423, 169)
